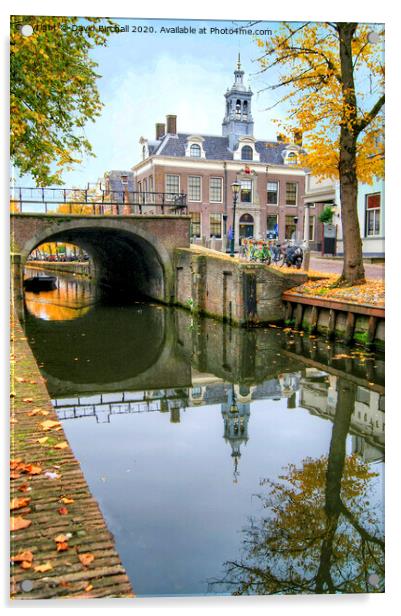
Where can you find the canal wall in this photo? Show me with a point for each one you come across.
(76, 268)
(60, 545)
(212, 283)
(349, 322)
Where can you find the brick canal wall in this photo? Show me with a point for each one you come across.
(50, 500)
(244, 293)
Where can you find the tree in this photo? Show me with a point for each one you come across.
(322, 532)
(53, 94)
(333, 79)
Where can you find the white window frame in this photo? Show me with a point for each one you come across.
(222, 189)
(200, 223)
(278, 191)
(377, 213)
(296, 195)
(200, 189)
(240, 195)
(221, 224)
(165, 184)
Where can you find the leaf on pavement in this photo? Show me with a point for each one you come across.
(19, 503)
(86, 558)
(48, 424)
(26, 555)
(62, 445)
(43, 568)
(18, 523)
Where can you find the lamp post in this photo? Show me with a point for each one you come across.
(235, 187)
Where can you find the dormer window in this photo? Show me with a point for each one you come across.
(291, 158)
(194, 147)
(195, 150)
(247, 153)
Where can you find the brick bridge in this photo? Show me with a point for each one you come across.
(134, 253)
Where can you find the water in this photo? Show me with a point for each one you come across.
(206, 444)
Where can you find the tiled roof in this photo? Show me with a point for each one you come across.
(216, 148)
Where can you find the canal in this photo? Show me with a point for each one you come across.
(224, 460)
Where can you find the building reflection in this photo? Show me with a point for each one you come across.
(312, 389)
(71, 299)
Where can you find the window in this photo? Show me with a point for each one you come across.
(291, 158)
(172, 186)
(247, 153)
(195, 224)
(194, 188)
(372, 206)
(271, 223)
(195, 150)
(246, 191)
(151, 183)
(291, 193)
(272, 193)
(290, 228)
(215, 225)
(216, 190)
(311, 228)
(124, 180)
(145, 190)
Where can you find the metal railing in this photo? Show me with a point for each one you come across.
(85, 202)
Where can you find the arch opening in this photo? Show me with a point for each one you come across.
(123, 263)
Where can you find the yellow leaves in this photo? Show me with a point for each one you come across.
(49, 424)
(62, 445)
(66, 500)
(43, 568)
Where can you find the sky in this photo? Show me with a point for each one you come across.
(146, 76)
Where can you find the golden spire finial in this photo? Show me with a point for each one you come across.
(239, 62)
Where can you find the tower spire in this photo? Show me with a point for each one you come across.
(239, 62)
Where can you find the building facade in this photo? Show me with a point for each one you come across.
(205, 166)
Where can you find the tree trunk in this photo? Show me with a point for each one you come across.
(353, 269)
(335, 469)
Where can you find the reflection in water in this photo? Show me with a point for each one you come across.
(178, 422)
(71, 299)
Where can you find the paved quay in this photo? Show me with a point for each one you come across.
(373, 271)
(60, 544)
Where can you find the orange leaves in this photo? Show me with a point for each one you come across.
(63, 511)
(38, 411)
(18, 523)
(19, 502)
(62, 542)
(24, 559)
(86, 559)
(27, 399)
(66, 500)
(18, 466)
(371, 293)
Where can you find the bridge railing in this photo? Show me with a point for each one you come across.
(99, 202)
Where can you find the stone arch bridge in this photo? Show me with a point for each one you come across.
(130, 253)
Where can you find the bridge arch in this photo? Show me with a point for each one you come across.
(126, 256)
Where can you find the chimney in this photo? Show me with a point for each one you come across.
(160, 130)
(171, 124)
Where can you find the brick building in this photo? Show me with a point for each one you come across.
(204, 167)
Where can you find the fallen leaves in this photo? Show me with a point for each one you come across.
(62, 542)
(86, 559)
(43, 568)
(37, 411)
(371, 293)
(18, 523)
(63, 511)
(66, 500)
(18, 466)
(27, 399)
(62, 445)
(19, 502)
(49, 424)
(25, 556)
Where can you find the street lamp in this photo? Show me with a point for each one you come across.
(235, 187)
